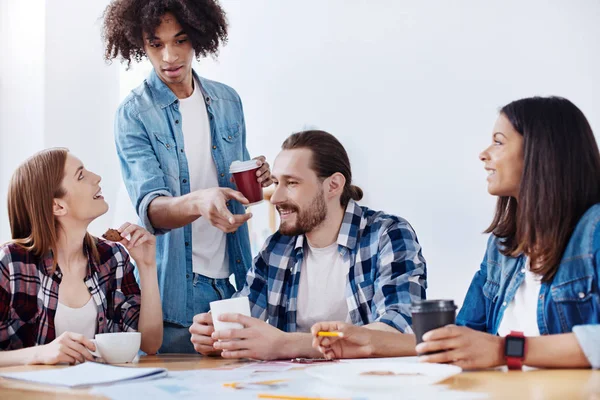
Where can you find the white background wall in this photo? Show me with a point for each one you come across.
(411, 88)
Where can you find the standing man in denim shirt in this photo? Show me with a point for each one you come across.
(176, 135)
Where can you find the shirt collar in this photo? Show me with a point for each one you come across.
(351, 225)
(165, 96)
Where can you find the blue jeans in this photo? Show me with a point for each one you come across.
(176, 338)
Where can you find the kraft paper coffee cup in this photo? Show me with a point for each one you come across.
(244, 176)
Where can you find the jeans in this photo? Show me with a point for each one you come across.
(176, 338)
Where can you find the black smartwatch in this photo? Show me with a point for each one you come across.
(515, 346)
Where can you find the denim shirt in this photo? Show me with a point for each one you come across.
(572, 297)
(151, 151)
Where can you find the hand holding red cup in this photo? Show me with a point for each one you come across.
(244, 176)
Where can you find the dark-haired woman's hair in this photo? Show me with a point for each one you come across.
(560, 181)
(126, 22)
(328, 157)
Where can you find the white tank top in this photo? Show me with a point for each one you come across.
(78, 320)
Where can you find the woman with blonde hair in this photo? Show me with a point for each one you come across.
(59, 285)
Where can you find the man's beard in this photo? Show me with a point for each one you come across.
(307, 219)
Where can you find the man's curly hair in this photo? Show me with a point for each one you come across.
(126, 22)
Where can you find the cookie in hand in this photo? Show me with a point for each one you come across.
(112, 235)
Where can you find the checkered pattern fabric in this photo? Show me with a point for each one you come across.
(29, 294)
(386, 272)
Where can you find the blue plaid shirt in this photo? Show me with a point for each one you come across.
(386, 272)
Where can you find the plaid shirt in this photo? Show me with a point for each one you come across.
(29, 294)
(386, 272)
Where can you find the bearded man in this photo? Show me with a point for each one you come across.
(331, 260)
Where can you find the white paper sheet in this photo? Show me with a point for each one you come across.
(207, 384)
(87, 374)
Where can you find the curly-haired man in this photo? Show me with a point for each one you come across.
(176, 135)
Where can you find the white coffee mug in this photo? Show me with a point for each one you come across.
(117, 348)
(237, 305)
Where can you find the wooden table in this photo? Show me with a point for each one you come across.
(536, 384)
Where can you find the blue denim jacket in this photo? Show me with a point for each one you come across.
(153, 161)
(571, 299)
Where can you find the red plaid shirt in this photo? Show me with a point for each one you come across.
(29, 294)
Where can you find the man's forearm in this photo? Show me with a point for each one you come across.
(393, 344)
(380, 326)
(299, 345)
(555, 351)
(167, 212)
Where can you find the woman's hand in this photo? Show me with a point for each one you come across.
(463, 347)
(67, 348)
(141, 244)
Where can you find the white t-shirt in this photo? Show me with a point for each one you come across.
(78, 320)
(322, 289)
(209, 244)
(521, 313)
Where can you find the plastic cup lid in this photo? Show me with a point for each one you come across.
(241, 166)
(433, 306)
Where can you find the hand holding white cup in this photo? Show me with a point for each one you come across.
(117, 348)
(237, 305)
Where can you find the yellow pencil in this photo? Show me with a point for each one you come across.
(282, 397)
(236, 385)
(330, 334)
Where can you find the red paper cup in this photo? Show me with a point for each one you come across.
(244, 176)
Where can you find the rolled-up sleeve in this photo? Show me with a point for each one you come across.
(127, 295)
(588, 337)
(143, 176)
(256, 287)
(402, 276)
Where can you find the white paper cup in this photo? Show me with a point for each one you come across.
(117, 348)
(238, 305)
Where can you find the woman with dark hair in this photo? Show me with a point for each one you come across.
(535, 299)
(59, 285)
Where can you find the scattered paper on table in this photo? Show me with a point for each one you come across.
(86, 374)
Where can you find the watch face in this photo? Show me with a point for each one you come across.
(515, 347)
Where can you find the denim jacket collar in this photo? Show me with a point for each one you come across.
(164, 95)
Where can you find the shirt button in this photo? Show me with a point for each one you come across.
(187, 243)
(208, 99)
(229, 137)
(187, 276)
(176, 121)
(168, 146)
(504, 304)
(184, 181)
(581, 295)
(90, 288)
(100, 319)
(222, 175)
(181, 150)
(176, 101)
(522, 270)
(238, 261)
(214, 147)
